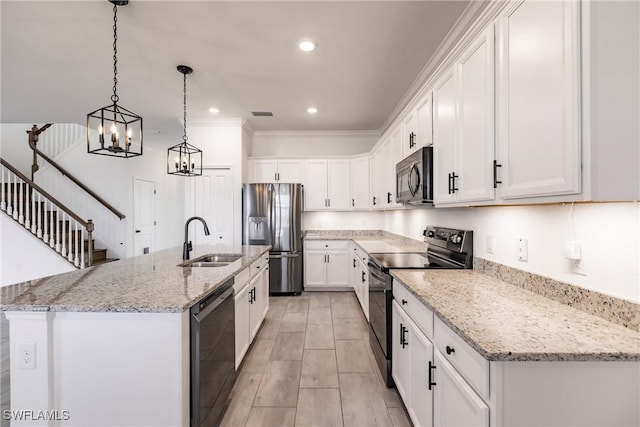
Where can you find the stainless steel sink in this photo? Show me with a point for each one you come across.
(212, 260)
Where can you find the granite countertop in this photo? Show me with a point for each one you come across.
(506, 323)
(373, 241)
(150, 283)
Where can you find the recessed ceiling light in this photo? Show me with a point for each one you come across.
(214, 110)
(306, 45)
(312, 110)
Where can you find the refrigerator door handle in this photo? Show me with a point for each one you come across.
(284, 256)
(272, 214)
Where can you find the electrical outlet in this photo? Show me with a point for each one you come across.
(27, 355)
(578, 267)
(523, 250)
(489, 244)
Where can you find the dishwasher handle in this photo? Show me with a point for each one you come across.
(206, 306)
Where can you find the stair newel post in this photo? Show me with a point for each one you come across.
(90, 242)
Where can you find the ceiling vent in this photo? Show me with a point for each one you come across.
(262, 113)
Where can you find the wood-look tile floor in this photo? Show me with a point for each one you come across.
(311, 365)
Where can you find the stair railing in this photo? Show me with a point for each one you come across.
(45, 216)
(33, 140)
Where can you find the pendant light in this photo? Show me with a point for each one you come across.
(114, 130)
(184, 159)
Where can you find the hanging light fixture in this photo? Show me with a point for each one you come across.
(114, 130)
(184, 159)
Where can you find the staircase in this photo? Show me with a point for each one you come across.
(48, 219)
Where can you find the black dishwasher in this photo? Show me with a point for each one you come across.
(212, 356)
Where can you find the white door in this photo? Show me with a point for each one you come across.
(144, 216)
(420, 405)
(338, 268)
(409, 134)
(213, 201)
(241, 301)
(399, 353)
(315, 268)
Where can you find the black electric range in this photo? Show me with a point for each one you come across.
(448, 248)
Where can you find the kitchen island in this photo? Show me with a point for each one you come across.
(110, 343)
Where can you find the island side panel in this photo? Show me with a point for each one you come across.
(122, 369)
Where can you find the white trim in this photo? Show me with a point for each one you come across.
(319, 133)
(219, 122)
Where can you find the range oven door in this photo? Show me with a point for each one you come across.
(380, 299)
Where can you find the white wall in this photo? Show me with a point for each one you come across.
(342, 221)
(312, 144)
(15, 146)
(24, 256)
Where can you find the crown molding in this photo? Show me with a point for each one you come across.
(334, 133)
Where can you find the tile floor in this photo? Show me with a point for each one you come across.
(311, 365)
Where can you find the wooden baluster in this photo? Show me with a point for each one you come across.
(34, 211)
(52, 226)
(11, 204)
(27, 207)
(20, 202)
(77, 242)
(63, 240)
(56, 224)
(3, 203)
(70, 247)
(39, 222)
(45, 222)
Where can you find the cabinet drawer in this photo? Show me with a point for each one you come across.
(421, 315)
(360, 254)
(260, 264)
(473, 367)
(326, 244)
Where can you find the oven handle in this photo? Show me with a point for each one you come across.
(375, 271)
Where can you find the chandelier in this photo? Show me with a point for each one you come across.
(184, 159)
(114, 130)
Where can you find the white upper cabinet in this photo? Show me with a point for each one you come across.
(444, 137)
(360, 183)
(464, 127)
(391, 154)
(538, 105)
(409, 133)
(276, 170)
(327, 185)
(424, 122)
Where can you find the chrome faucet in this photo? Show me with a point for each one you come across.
(187, 247)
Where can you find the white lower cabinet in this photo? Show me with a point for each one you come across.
(360, 279)
(412, 359)
(251, 300)
(326, 264)
(454, 401)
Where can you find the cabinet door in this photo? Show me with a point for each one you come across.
(338, 187)
(399, 354)
(364, 289)
(375, 181)
(394, 155)
(337, 268)
(290, 171)
(359, 183)
(241, 301)
(444, 136)
(409, 134)
(263, 292)
(455, 403)
(255, 309)
(420, 404)
(424, 123)
(475, 134)
(315, 191)
(538, 99)
(315, 268)
(264, 170)
(354, 273)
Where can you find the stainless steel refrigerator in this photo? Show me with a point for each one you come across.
(272, 216)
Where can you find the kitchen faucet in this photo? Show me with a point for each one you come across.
(187, 247)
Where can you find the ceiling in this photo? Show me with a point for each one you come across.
(57, 60)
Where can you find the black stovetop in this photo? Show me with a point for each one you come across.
(404, 260)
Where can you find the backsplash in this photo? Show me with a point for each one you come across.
(616, 310)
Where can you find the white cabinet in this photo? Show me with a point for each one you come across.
(390, 154)
(375, 173)
(327, 185)
(276, 170)
(424, 123)
(409, 133)
(251, 300)
(412, 356)
(359, 179)
(326, 264)
(464, 126)
(538, 99)
(454, 401)
(360, 278)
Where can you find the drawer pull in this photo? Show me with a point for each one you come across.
(404, 302)
(431, 382)
(450, 350)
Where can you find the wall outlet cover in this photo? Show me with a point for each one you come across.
(27, 355)
(523, 250)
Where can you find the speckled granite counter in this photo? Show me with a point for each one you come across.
(372, 241)
(150, 283)
(506, 323)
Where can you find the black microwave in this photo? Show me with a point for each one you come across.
(414, 178)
